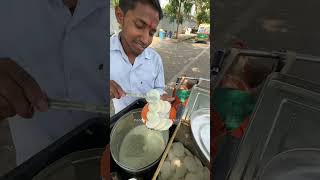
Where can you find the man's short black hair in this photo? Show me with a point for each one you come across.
(126, 5)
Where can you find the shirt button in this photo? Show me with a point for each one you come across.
(100, 67)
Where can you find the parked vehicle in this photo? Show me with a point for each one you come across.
(203, 33)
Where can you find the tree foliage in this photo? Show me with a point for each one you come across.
(203, 17)
(115, 3)
(178, 10)
(202, 11)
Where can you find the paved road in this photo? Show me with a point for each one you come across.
(268, 24)
(186, 57)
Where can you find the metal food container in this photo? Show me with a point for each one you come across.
(76, 155)
(199, 99)
(285, 86)
(80, 165)
(198, 105)
(126, 123)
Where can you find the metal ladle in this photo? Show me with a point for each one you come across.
(77, 106)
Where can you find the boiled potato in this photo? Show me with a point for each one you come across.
(178, 149)
(199, 174)
(181, 164)
(171, 155)
(180, 171)
(174, 178)
(206, 173)
(190, 164)
(198, 162)
(187, 152)
(191, 176)
(166, 168)
(172, 167)
(176, 162)
(165, 176)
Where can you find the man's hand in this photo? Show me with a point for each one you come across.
(166, 97)
(19, 92)
(115, 90)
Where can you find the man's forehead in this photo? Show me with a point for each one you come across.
(152, 23)
(147, 14)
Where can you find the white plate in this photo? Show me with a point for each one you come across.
(200, 127)
(205, 136)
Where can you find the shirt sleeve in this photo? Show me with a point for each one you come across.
(160, 82)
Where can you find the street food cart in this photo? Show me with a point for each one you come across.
(192, 102)
(78, 154)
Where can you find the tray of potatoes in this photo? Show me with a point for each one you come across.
(180, 162)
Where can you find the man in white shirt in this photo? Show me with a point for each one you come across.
(134, 67)
(53, 48)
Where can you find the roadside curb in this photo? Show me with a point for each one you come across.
(183, 39)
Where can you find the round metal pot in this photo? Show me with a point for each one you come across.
(81, 165)
(123, 126)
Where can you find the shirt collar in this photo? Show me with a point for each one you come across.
(85, 8)
(116, 45)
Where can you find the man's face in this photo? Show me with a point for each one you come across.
(138, 27)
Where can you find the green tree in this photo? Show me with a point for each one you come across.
(203, 17)
(202, 11)
(115, 3)
(178, 10)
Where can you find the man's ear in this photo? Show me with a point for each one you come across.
(119, 15)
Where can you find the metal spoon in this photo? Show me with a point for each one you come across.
(136, 95)
(77, 106)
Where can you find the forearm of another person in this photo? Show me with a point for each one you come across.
(20, 94)
(115, 90)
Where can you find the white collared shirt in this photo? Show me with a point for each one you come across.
(64, 54)
(145, 74)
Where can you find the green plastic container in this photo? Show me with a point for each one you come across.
(183, 94)
(232, 105)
